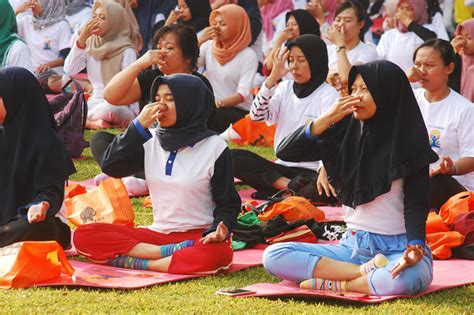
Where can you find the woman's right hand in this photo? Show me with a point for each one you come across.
(87, 31)
(173, 17)
(150, 113)
(151, 57)
(316, 9)
(207, 34)
(24, 6)
(280, 57)
(344, 106)
(458, 43)
(414, 74)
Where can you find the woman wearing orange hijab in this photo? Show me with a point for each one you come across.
(230, 64)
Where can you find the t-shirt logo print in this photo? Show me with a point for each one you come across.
(47, 43)
(435, 136)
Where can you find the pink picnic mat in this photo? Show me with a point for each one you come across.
(332, 213)
(101, 276)
(447, 274)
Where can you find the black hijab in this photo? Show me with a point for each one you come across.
(315, 51)
(33, 156)
(255, 17)
(306, 22)
(391, 145)
(200, 11)
(193, 102)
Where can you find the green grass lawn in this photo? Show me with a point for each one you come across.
(197, 296)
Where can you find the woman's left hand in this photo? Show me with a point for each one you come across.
(37, 213)
(411, 256)
(219, 235)
(446, 166)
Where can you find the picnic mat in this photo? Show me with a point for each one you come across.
(447, 274)
(332, 213)
(102, 276)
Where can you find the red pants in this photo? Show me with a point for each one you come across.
(102, 241)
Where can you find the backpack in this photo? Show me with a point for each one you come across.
(70, 114)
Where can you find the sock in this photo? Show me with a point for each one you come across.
(170, 249)
(135, 186)
(129, 262)
(378, 261)
(323, 285)
(100, 177)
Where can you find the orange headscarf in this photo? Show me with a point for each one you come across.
(238, 26)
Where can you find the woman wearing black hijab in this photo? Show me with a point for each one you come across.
(289, 105)
(188, 170)
(373, 144)
(298, 22)
(193, 13)
(34, 166)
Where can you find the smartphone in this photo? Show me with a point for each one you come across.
(232, 291)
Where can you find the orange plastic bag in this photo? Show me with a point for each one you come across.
(439, 238)
(108, 203)
(27, 263)
(256, 133)
(292, 209)
(456, 205)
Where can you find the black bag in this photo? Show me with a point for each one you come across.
(70, 114)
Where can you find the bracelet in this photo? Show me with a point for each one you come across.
(218, 104)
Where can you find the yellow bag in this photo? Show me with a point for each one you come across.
(27, 263)
(108, 203)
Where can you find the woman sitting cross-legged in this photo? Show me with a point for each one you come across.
(374, 147)
(289, 105)
(104, 47)
(35, 165)
(188, 170)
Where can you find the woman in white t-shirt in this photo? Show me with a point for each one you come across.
(398, 44)
(289, 105)
(448, 117)
(13, 51)
(47, 34)
(230, 65)
(104, 47)
(347, 48)
(189, 173)
(78, 12)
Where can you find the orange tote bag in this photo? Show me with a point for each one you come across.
(28, 263)
(107, 203)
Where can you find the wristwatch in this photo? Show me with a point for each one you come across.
(339, 48)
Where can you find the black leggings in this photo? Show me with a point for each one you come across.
(221, 118)
(100, 141)
(260, 174)
(19, 230)
(443, 187)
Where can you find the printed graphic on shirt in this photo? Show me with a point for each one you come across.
(435, 136)
(47, 43)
